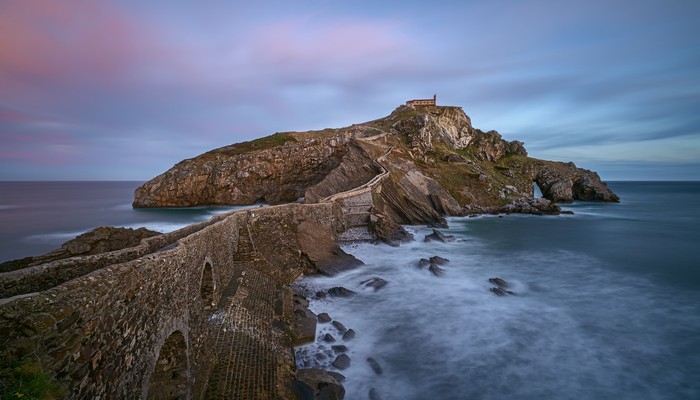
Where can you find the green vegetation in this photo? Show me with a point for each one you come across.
(263, 143)
(14, 265)
(25, 380)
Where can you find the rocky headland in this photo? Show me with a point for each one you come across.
(437, 165)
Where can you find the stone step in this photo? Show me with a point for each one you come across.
(356, 219)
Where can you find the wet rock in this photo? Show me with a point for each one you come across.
(437, 271)
(375, 283)
(437, 260)
(337, 375)
(499, 282)
(501, 292)
(374, 394)
(340, 327)
(321, 294)
(375, 366)
(349, 334)
(439, 237)
(328, 338)
(341, 362)
(317, 384)
(324, 318)
(340, 291)
(321, 356)
(339, 348)
(423, 262)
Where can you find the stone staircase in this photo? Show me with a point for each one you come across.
(249, 332)
(356, 216)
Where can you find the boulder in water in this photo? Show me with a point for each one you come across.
(437, 271)
(439, 237)
(340, 291)
(341, 362)
(374, 283)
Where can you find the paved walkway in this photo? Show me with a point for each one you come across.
(253, 355)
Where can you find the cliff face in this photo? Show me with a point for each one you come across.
(438, 164)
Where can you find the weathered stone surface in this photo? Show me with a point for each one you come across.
(317, 384)
(320, 248)
(324, 318)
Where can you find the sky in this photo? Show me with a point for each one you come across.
(123, 90)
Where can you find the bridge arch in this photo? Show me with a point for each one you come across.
(170, 378)
(207, 286)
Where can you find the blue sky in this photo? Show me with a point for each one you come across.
(123, 90)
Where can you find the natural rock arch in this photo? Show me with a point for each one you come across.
(207, 286)
(170, 378)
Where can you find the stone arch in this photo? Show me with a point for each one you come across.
(170, 378)
(206, 287)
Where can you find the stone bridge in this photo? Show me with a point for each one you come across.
(202, 312)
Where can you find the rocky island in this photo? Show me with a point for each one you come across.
(207, 311)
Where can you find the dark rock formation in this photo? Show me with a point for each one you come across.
(349, 334)
(340, 291)
(499, 291)
(375, 366)
(303, 324)
(437, 271)
(423, 262)
(373, 394)
(97, 241)
(499, 282)
(328, 338)
(439, 237)
(339, 348)
(339, 326)
(317, 384)
(437, 260)
(374, 283)
(341, 362)
(323, 318)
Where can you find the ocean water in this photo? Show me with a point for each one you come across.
(606, 306)
(37, 217)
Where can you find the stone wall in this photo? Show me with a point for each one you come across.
(120, 329)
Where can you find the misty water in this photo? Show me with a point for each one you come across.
(606, 306)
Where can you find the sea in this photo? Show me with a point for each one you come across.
(605, 304)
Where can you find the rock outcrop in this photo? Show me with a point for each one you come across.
(433, 164)
(97, 241)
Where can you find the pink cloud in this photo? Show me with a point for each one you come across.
(340, 46)
(71, 42)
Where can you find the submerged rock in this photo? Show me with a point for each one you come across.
(498, 291)
(375, 366)
(374, 394)
(423, 262)
(340, 348)
(437, 271)
(340, 291)
(437, 260)
(499, 282)
(374, 283)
